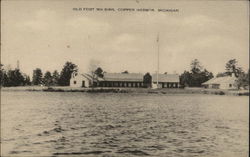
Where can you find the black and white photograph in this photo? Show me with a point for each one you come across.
(115, 78)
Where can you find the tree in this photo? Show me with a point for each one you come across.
(196, 76)
(37, 76)
(1, 75)
(185, 79)
(93, 66)
(232, 67)
(205, 76)
(66, 72)
(27, 80)
(48, 79)
(243, 80)
(195, 80)
(15, 78)
(55, 78)
(99, 72)
(222, 74)
(196, 66)
(11, 77)
(147, 80)
(125, 72)
(3, 78)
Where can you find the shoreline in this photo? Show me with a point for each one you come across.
(129, 90)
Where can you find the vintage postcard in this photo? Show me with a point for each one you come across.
(113, 78)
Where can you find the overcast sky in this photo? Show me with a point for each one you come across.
(46, 34)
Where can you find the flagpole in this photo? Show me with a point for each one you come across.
(158, 59)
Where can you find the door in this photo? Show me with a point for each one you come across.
(83, 83)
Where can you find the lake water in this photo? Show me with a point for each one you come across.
(119, 125)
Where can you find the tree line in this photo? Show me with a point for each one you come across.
(196, 76)
(15, 77)
(192, 78)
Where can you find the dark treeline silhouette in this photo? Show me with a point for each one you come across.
(13, 78)
(17, 78)
(196, 76)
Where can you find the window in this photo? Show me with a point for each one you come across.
(230, 85)
(74, 82)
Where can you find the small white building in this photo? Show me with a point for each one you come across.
(226, 82)
(80, 80)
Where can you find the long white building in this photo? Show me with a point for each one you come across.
(134, 80)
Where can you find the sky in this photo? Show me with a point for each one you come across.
(45, 34)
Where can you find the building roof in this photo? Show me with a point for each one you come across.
(133, 77)
(85, 75)
(89, 77)
(219, 80)
(166, 78)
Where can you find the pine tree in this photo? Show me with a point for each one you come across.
(66, 72)
(55, 78)
(37, 76)
(47, 79)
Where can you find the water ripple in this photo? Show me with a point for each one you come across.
(119, 125)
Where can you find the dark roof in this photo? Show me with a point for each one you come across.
(138, 77)
(165, 78)
(133, 77)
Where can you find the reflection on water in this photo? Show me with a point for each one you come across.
(105, 124)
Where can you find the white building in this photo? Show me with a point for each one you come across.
(80, 80)
(134, 80)
(226, 82)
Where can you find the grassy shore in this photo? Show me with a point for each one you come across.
(129, 90)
